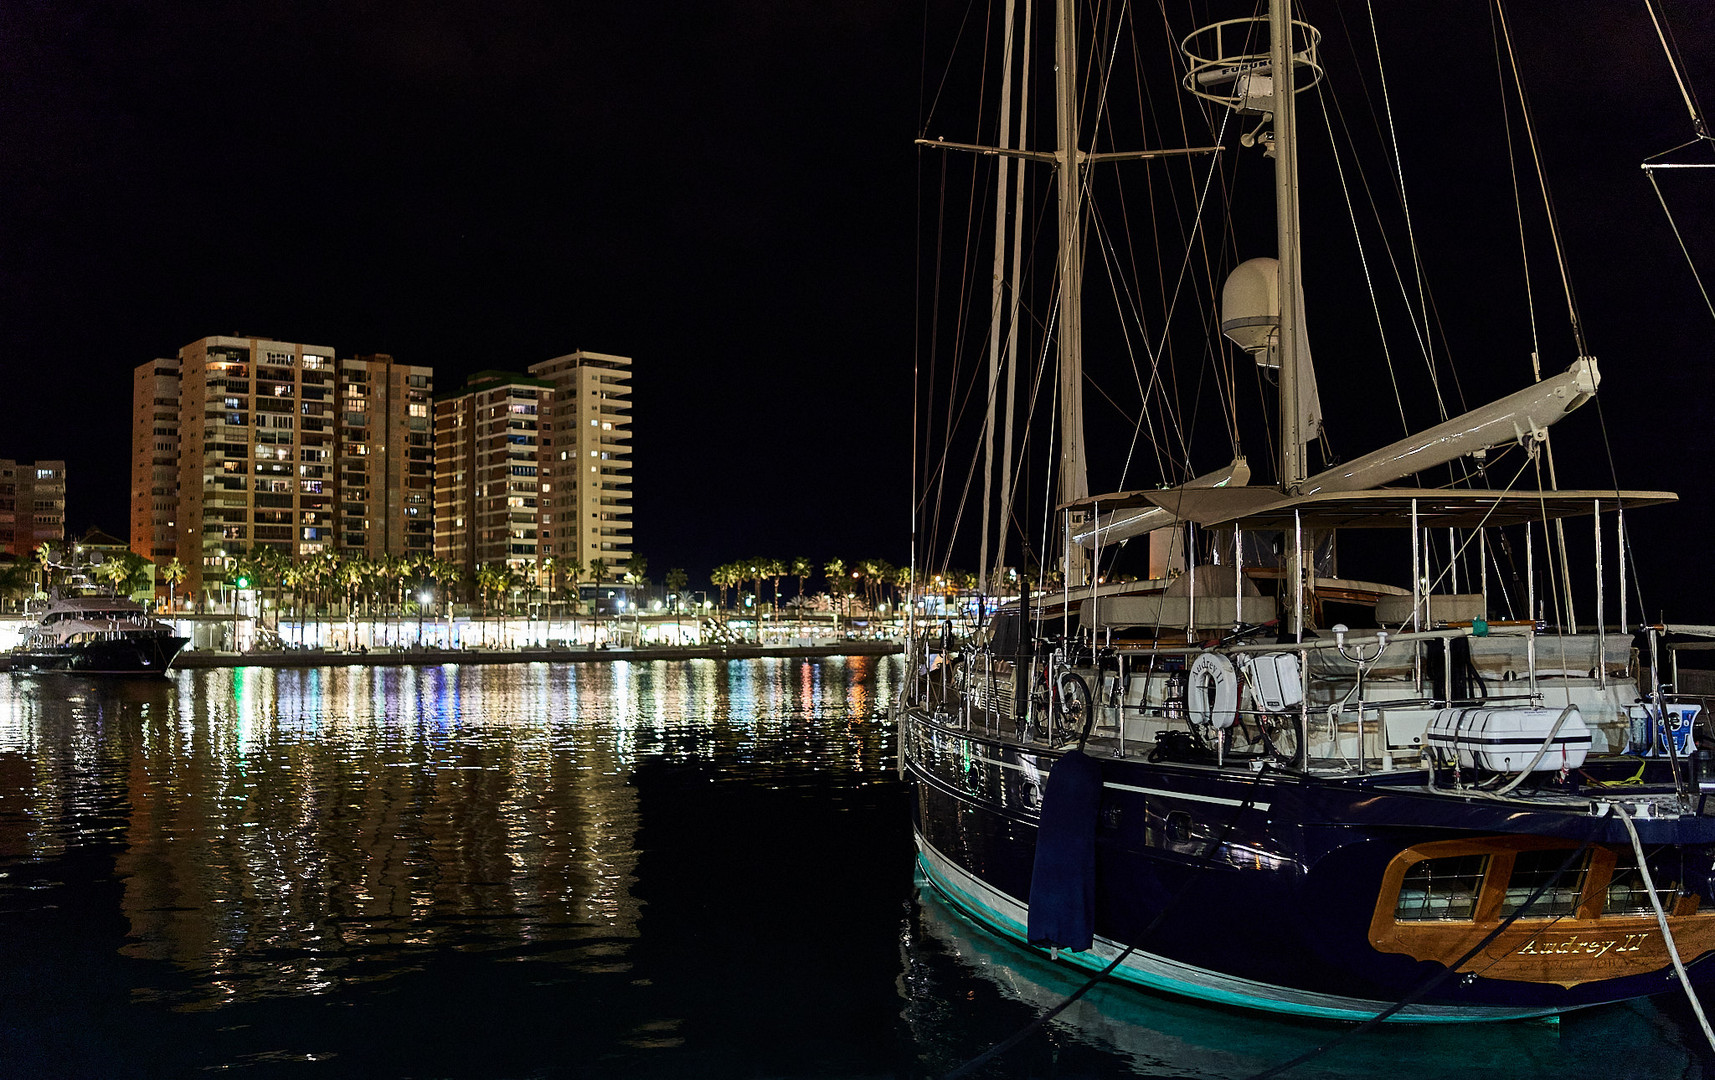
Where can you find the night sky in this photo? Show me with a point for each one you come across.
(727, 193)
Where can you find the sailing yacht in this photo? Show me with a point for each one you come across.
(1205, 782)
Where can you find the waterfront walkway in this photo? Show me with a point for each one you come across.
(293, 658)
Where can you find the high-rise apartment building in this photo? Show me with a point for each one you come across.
(32, 505)
(586, 488)
(155, 459)
(489, 442)
(273, 443)
(386, 468)
(256, 452)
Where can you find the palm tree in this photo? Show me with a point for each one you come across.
(114, 572)
(801, 568)
(574, 569)
(14, 578)
(676, 580)
(775, 569)
(46, 559)
(551, 567)
(598, 570)
(293, 578)
(172, 573)
(834, 573)
(350, 576)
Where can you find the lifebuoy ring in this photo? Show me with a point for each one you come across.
(1212, 690)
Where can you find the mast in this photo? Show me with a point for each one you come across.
(1292, 470)
(1012, 317)
(998, 305)
(1074, 481)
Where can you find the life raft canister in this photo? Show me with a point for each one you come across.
(1212, 690)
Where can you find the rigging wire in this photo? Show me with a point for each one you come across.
(1420, 332)
(1649, 172)
(1363, 257)
(1159, 347)
(1677, 64)
(1542, 182)
(946, 72)
(1405, 208)
(1518, 202)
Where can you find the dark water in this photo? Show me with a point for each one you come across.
(692, 869)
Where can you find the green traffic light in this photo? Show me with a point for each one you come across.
(243, 583)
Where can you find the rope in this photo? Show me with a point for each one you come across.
(1661, 920)
(1436, 980)
(1023, 1033)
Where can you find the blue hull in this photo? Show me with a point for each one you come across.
(1253, 889)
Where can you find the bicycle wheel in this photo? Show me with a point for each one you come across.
(1073, 705)
(1283, 739)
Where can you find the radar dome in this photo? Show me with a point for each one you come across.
(1250, 304)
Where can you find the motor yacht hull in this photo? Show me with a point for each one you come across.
(143, 654)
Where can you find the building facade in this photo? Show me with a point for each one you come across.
(586, 488)
(490, 439)
(242, 442)
(256, 452)
(32, 505)
(155, 459)
(385, 458)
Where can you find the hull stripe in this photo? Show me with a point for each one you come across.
(1005, 915)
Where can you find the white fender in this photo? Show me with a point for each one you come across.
(1212, 690)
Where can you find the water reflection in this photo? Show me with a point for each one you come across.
(285, 832)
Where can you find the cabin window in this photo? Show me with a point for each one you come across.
(1627, 894)
(1541, 869)
(1437, 889)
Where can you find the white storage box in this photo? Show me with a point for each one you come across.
(1273, 677)
(1505, 740)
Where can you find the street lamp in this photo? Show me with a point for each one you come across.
(423, 599)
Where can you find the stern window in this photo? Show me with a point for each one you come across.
(1437, 889)
(1534, 869)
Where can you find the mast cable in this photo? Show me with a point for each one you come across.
(1542, 182)
(1518, 204)
(1364, 261)
(1676, 64)
(1405, 208)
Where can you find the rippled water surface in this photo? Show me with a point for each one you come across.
(673, 869)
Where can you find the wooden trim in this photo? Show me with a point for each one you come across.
(1567, 950)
